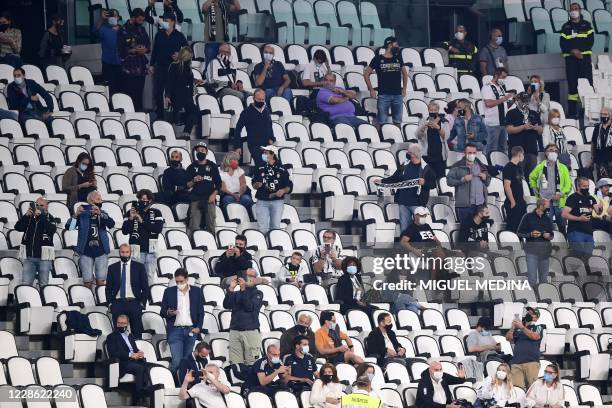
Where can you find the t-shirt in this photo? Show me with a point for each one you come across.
(314, 72)
(260, 366)
(208, 395)
(274, 75)
(514, 173)
(527, 139)
(492, 114)
(525, 349)
(580, 205)
(389, 72)
(475, 339)
(211, 182)
(301, 367)
(232, 183)
(500, 57)
(345, 108)
(418, 233)
(472, 232)
(93, 247)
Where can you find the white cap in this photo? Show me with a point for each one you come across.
(270, 148)
(604, 182)
(421, 211)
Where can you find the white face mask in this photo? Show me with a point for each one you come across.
(501, 375)
(164, 25)
(555, 121)
(552, 156)
(501, 82)
(536, 85)
(438, 375)
(268, 56)
(471, 157)
(181, 286)
(305, 349)
(459, 36)
(574, 14)
(112, 21)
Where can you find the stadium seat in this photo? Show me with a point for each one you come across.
(325, 14)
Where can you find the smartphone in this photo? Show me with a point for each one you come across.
(327, 247)
(87, 207)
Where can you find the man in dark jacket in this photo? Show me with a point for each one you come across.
(127, 289)
(302, 328)
(258, 123)
(36, 250)
(461, 52)
(205, 183)
(24, 95)
(235, 261)
(417, 178)
(174, 182)
(195, 362)
(133, 43)
(537, 230)
(244, 336)
(434, 391)
(382, 342)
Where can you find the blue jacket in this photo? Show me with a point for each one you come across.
(196, 306)
(190, 363)
(82, 224)
(245, 306)
(18, 101)
(138, 282)
(108, 42)
(116, 348)
(475, 125)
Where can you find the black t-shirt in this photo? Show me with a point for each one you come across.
(212, 179)
(389, 72)
(419, 233)
(527, 139)
(580, 205)
(472, 232)
(514, 173)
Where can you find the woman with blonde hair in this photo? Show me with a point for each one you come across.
(553, 134)
(233, 183)
(547, 392)
(179, 91)
(496, 390)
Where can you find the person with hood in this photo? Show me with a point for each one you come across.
(524, 128)
(433, 133)
(205, 184)
(257, 121)
(434, 390)
(25, 95)
(179, 91)
(350, 292)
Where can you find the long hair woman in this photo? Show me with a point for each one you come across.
(179, 90)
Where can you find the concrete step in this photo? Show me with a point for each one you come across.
(84, 380)
(34, 354)
(8, 326)
(119, 399)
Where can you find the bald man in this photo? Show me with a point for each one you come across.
(302, 328)
(36, 249)
(434, 391)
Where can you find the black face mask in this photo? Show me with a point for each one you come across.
(175, 163)
(258, 104)
(485, 218)
(395, 50)
(584, 191)
(326, 378)
(124, 259)
(302, 329)
(388, 327)
(461, 112)
(528, 318)
(142, 205)
(99, 205)
(433, 115)
(605, 119)
(200, 156)
(121, 329)
(3, 27)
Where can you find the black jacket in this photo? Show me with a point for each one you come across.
(375, 344)
(37, 232)
(233, 265)
(138, 280)
(140, 234)
(344, 293)
(286, 341)
(190, 363)
(179, 83)
(533, 222)
(425, 392)
(258, 126)
(245, 306)
(425, 173)
(116, 348)
(583, 41)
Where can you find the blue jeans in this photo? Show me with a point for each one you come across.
(348, 120)
(554, 214)
(537, 269)
(406, 214)
(404, 302)
(395, 102)
(150, 263)
(91, 267)
(33, 265)
(246, 200)
(497, 139)
(6, 114)
(181, 344)
(581, 242)
(287, 94)
(269, 214)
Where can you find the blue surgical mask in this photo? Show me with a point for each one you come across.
(499, 40)
(83, 167)
(275, 360)
(164, 25)
(264, 157)
(370, 376)
(112, 21)
(19, 80)
(485, 333)
(548, 377)
(268, 56)
(352, 269)
(333, 326)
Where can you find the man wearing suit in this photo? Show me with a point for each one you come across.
(434, 391)
(121, 345)
(382, 342)
(196, 362)
(127, 289)
(183, 308)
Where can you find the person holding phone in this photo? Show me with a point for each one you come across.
(526, 335)
(107, 30)
(468, 127)
(537, 230)
(497, 102)
(210, 391)
(293, 271)
(433, 133)
(234, 261)
(327, 259)
(267, 374)
(327, 390)
(434, 390)
(79, 180)
(578, 213)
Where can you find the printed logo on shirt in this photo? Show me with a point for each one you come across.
(426, 235)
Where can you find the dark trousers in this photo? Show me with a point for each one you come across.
(133, 309)
(255, 151)
(137, 368)
(160, 75)
(514, 215)
(531, 160)
(191, 113)
(134, 86)
(438, 167)
(574, 69)
(463, 213)
(112, 76)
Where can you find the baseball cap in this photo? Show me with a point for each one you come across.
(200, 144)
(421, 211)
(389, 40)
(270, 148)
(604, 182)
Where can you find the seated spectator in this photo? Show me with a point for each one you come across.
(553, 134)
(267, 374)
(367, 370)
(326, 391)
(382, 342)
(233, 183)
(474, 232)
(235, 261)
(314, 73)
(327, 259)
(293, 271)
(221, 75)
(7, 114)
(497, 389)
(337, 103)
(25, 95)
(302, 328)
(302, 367)
(329, 341)
(196, 362)
(547, 392)
(481, 342)
(350, 292)
(209, 391)
(79, 180)
(434, 391)
(468, 127)
(537, 230)
(603, 220)
(53, 49)
(270, 75)
(174, 182)
(578, 211)
(433, 133)
(362, 395)
(10, 41)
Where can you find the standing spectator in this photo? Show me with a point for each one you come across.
(208, 393)
(107, 30)
(526, 336)
(329, 340)
(481, 342)
(382, 341)
(541, 182)
(350, 292)
(540, 99)
(468, 127)
(234, 262)
(267, 374)
(493, 55)
(25, 95)
(327, 259)
(195, 361)
(302, 366)
(495, 100)
(36, 250)
(221, 74)
(470, 178)
(577, 38)
(179, 84)
(143, 224)
(93, 245)
(474, 232)
(415, 195)
(174, 182)
(166, 45)
(513, 176)
(10, 41)
(433, 133)
(553, 133)
(302, 328)
(233, 183)
(337, 102)
(53, 44)
(601, 145)
(315, 71)
(603, 220)
(245, 303)
(170, 6)
(537, 230)
(293, 272)
(183, 308)
(524, 129)
(578, 212)
(270, 75)
(127, 289)
(133, 42)
(452, 112)
(461, 52)
(549, 391)
(257, 121)
(79, 180)
(205, 183)
(326, 391)
(497, 389)
(361, 396)
(392, 81)
(434, 391)
(217, 15)
(272, 183)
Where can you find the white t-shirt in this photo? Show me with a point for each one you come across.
(492, 114)
(439, 394)
(208, 395)
(314, 72)
(232, 183)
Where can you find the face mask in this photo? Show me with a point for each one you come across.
(99, 205)
(459, 36)
(264, 157)
(326, 378)
(388, 327)
(200, 156)
(485, 218)
(275, 360)
(112, 21)
(535, 85)
(461, 112)
(485, 333)
(370, 376)
(548, 377)
(433, 115)
(259, 104)
(501, 82)
(555, 121)
(19, 80)
(352, 269)
(268, 57)
(332, 326)
(395, 50)
(164, 25)
(471, 157)
(302, 329)
(574, 14)
(305, 349)
(142, 205)
(3, 27)
(605, 119)
(124, 259)
(233, 164)
(175, 163)
(121, 329)
(181, 286)
(83, 167)
(501, 375)
(552, 156)
(499, 40)
(584, 191)
(438, 375)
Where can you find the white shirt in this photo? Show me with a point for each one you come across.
(126, 337)
(183, 315)
(208, 395)
(439, 394)
(492, 114)
(321, 391)
(388, 343)
(232, 183)
(314, 72)
(128, 282)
